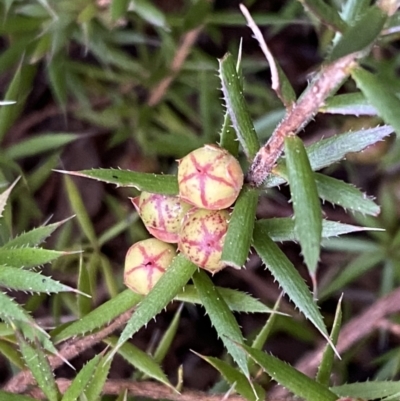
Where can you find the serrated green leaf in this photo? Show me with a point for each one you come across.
(282, 228)
(119, 8)
(350, 272)
(325, 367)
(237, 108)
(325, 13)
(170, 283)
(361, 34)
(167, 338)
(39, 144)
(288, 278)
(84, 376)
(239, 235)
(79, 209)
(354, 104)
(328, 151)
(380, 95)
(33, 237)
(370, 390)
(296, 382)
(100, 316)
(345, 195)
(140, 360)
(237, 301)
(155, 183)
(227, 136)
(95, 386)
(4, 396)
(11, 277)
(5, 195)
(27, 257)
(38, 364)
(306, 204)
(236, 379)
(221, 318)
(18, 90)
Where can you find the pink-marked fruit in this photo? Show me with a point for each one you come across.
(209, 178)
(202, 237)
(161, 214)
(145, 262)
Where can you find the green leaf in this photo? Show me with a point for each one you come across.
(39, 144)
(296, 382)
(28, 257)
(33, 237)
(380, 95)
(119, 8)
(370, 390)
(84, 376)
(140, 360)
(18, 90)
(38, 364)
(4, 396)
(325, 13)
(80, 211)
(325, 368)
(84, 285)
(328, 151)
(150, 13)
(353, 9)
(346, 195)
(23, 280)
(288, 278)
(169, 335)
(58, 80)
(306, 204)
(236, 379)
(221, 318)
(350, 272)
(155, 183)
(237, 301)
(237, 107)
(227, 136)
(239, 235)
(95, 386)
(175, 277)
(5, 195)
(361, 34)
(354, 104)
(100, 316)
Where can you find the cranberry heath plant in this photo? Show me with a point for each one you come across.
(204, 218)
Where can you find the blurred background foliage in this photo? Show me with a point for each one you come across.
(133, 84)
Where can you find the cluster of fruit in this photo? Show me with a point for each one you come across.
(210, 180)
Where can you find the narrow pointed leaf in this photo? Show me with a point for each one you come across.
(84, 376)
(170, 283)
(38, 364)
(354, 104)
(284, 374)
(221, 318)
(345, 195)
(325, 368)
(306, 204)
(95, 386)
(23, 280)
(380, 95)
(237, 301)
(100, 316)
(39, 144)
(237, 107)
(288, 278)
(166, 340)
(326, 14)
(155, 183)
(33, 237)
(228, 139)
(5, 195)
(141, 361)
(238, 238)
(119, 8)
(28, 257)
(79, 209)
(360, 35)
(236, 379)
(370, 390)
(84, 286)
